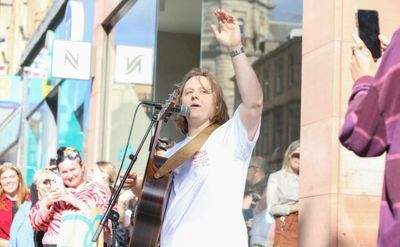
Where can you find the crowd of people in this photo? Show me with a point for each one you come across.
(33, 218)
(271, 200)
(263, 205)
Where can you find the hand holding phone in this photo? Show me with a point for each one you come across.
(362, 62)
(57, 184)
(368, 30)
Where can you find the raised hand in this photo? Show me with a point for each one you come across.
(362, 62)
(228, 34)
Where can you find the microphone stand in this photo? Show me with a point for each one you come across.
(110, 213)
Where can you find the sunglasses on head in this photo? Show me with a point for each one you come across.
(67, 153)
(295, 155)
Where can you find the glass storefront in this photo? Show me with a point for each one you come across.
(41, 138)
(129, 80)
(148, 50)
(57, 108)
(176, 36)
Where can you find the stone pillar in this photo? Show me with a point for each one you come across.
(339, 192)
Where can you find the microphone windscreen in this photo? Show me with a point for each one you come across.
(185, 110)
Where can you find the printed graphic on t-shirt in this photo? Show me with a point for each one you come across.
(200, 158)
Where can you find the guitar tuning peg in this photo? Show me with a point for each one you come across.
(163, 140)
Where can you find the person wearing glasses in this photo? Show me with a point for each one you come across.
(72, 193)
(13, 193)
(283, 197)
(21, 233)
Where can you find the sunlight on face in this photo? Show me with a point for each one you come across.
(71, 172)
(9, 182)
(198, 95)
(295, 160)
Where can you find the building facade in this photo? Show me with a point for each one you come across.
(19, 20)
(280, 74)
(95, 115)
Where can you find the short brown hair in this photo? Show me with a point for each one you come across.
(221, 110)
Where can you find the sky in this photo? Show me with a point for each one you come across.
(287, 10)
(137, 27)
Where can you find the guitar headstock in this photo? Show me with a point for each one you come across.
(168, 105)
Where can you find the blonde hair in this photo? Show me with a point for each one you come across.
(41, 175)
(108, 169)
(286, 159)
(22, 190)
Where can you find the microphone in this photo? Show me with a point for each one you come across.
(183, 110)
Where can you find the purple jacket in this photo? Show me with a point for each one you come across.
(372, 127)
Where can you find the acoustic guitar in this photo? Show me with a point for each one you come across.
(155, 192)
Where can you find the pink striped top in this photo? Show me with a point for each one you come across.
(49, 221)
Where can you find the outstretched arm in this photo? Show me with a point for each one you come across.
(249, 87)
(363, 130)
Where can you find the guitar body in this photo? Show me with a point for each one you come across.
(150, 211)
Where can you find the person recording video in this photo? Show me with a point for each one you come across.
(371, 125)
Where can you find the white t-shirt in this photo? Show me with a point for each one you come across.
(205, 204)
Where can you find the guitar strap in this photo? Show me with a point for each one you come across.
(186, 151)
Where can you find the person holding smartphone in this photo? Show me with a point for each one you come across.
(372, 124)
(71, 192)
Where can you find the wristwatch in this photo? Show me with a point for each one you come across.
(236, 52)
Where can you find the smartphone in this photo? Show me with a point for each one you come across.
(57, 183)
(368, 30)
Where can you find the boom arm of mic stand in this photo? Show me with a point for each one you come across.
(115, 194)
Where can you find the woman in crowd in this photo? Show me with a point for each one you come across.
(284, 201)
(12, 194)
(104, 172)
(78, 194)
(22, 233)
